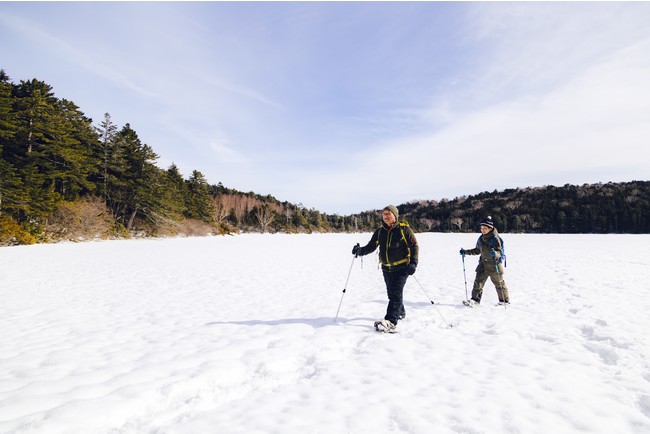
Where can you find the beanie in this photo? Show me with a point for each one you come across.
(393, 209)
(488, 222)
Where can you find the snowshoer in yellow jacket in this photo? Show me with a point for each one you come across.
(398, 254)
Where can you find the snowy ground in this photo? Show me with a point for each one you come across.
(237, 335)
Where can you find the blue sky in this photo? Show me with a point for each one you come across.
(346, 107)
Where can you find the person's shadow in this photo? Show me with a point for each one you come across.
(312, 322)
(325, 321)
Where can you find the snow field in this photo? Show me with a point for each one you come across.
(237, 334)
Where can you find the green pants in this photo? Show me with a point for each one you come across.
(482, 275)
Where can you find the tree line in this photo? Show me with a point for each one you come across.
(64, 178)
(590, 208)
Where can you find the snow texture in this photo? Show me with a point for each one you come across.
(236, 334)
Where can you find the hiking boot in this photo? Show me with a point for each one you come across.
(473, 302)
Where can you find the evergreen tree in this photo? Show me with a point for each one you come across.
(8, 125)
(73, 151)
(104, 154)
(137, 181)
(30, 149)
(13, 197)
(198, 200)
(12, 194)
(174, 191)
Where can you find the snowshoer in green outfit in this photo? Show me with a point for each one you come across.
(490, 247)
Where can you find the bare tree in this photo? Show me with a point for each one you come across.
(264, 216)
(457, 221)
(221, 211)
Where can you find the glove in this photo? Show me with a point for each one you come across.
(462, 252)
(355, 249)
(411, 269)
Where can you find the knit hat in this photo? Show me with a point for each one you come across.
(488, 222)
(393, 209)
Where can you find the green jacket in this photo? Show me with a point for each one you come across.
(397, 246)
(483, 247)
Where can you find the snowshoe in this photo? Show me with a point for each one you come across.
(385, 326)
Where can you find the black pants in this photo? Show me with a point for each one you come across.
(395, 281)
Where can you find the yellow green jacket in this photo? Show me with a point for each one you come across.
(397, 246)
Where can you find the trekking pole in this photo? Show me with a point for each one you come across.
(422, 288)
(465, 275)
(434, 305)
(344, 288)
(500, 292)
(496, 266)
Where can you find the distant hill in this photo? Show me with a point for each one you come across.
(589, 208)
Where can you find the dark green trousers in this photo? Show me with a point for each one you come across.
(482, 274)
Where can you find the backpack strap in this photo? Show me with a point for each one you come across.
(401, 229)
(503, 249)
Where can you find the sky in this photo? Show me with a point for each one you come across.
(349, 106)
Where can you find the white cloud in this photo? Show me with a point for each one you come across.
(97, 63)
(591, 127)
(529, 48)
(227, 154)
(241, 91)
